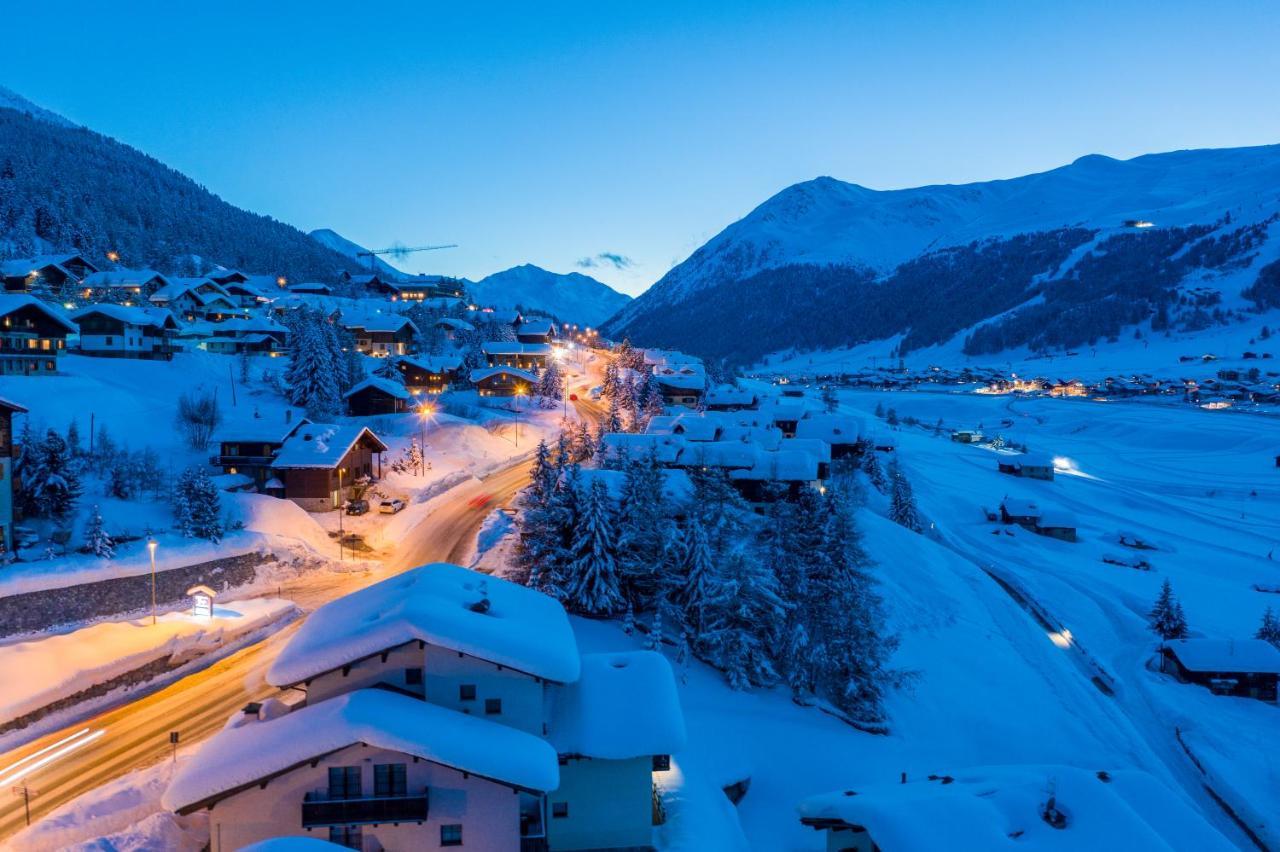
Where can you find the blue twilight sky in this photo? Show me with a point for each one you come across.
(553, 132)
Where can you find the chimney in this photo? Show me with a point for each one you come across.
(904, 778)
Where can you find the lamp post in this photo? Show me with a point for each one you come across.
(424, 411)
(152, 544)
(520, 392)
(341, 511)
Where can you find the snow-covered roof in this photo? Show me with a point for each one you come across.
(479, 375)
(12, 406)
(151, 317)
(667, 447)
(669, 356)
(323, 445)
(815, 447)
(23, 267)
(729, 395)
(691, 426)
(522, 629)
(536, 326)
(253, 430)
(241, 755)
(504, 347)
(1055, 519)
(10, 302)
(1226, 655)
(767, 437)
(433, 363)
(832, 428)
(780, 466)
(380, 322)
(455, 324)
(1001, 807)
(624, 705)
(387, 386)
(501, 315)
(123, 278)
(734, 454)
(230, 481)
(311, 287)
(249, 325)
(1020, 508)
(681, 376)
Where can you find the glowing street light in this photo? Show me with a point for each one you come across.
(152, 544)
(425, 411)
(521, 391)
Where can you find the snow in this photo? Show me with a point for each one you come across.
(292, 844)
(10, 302)
(479, 375)
(253, 750)
(42, 671)
(782, 466)
(157, 317)
(727, 454)
(992, 808)
(321, 445)
(689, 426)
(831, 428)
(522, 629)
(385, 385)
(676, 485)
(1226, 655)
(667, 448)
(624, 705)
(504, 347)
(573, 297)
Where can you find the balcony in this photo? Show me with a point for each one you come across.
(318, 809)
(241, 461)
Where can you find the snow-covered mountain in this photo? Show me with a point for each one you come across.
(571, 298)
(894, 239)
(10, 99)
(332, 239)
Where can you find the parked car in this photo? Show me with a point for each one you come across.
(596, 392)
(357, 507)
(390, 507)
(573, 397)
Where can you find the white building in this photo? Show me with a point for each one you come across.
(444, 708)
(108, 330)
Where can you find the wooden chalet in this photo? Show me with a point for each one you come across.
(250, 446)
(430, 374)
(51, 271)
(33, 335)
(419, 288)
(376, 395)
(536, 331)
(381, 335)
(1028, 465)
(502, 381)
(522, 356)
(116, 331)
(123, 284)
(319, 464)
(1249, 668)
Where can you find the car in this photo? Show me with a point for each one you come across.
(390, 507)
(357, 507)
(573, 397)
(596, 392)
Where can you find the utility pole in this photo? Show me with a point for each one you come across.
(26, 793)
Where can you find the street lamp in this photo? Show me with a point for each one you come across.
(341, 511)
(520, 392)
(424, 411)
(152, 544)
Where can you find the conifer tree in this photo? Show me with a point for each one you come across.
(1166, 618)
(1269, 629)
(902, 502)
(696, 574)
(830, 399)
(73, 439)
(869, 462)
(311, 378)
(196, 505)
(51, 485)
(96, 539)
(550, 386)
(594, 588)
(745, 618)
(388, 369)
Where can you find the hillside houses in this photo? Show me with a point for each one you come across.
(381, 335)
(33, 335)
(318, 463)
(123, 284)
(48, 272)
(116, 331)
(444, 708)
(1249, 668)
(431, 374)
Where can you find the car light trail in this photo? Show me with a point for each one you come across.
(48, 755)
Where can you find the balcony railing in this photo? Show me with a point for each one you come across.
(318, 809)
(247, 461)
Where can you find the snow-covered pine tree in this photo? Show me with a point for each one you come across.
(73, 439)
(550, 386)
(1269, 629)
(642, 530)
(610, 383)
(584, 444)
(613, 418)
(891, 417)
(311, 378)
(745, 617)
(594, 587)
(653, 405)
(96, 539)
(388, 369)
(830, 399)
(654, 640)
(697, 574)
(197, 506)
(51, 485)
(1166, 618)
(902, 502)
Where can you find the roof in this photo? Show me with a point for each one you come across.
(624, 705)
(455, 323)
(729, 395)
(1226, 655)
(691, 427)
(780, 466)
(387, 386)
(432, 363)
(536, 326)
(12, 406)
(380, 322)
(667, 447)
(1020, 508)
(123, 278)
(154, 317)
(669, 356)
(11, 302)
(250, 430)
(241, 755)
(523, 629)
(504, 347)
(719, 454)
(322, 445)
(501, 315)
(815, 447)
(832, 428)
(483, 373)
(292, 844)
(23, 267)
(993, 808)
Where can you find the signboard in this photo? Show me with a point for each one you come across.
(201, 601)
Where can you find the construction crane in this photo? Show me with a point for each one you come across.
(398, 252)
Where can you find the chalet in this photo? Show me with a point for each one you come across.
(524, 356)
(444, 708)
(688, 426)
(125, 284)
(501, 316)
(665, 449)
(419, 288)
(227, 277)
(1029, 465)
(247, 295)
(115, 331)
(311, 288)
(729, 398)
(1031, 807)
(816, 447)
(775, 475)
(33, 335)
(249, 447)
(681, 384)
(502, 381)
(767, 438)
(966, 436)
(252, 343)
(369, 281)
(454, 328)
(431, 374)
(785, 414)
(8, 452)
(839, 431)
(1057, 524)
(318, 463)
(259, 335)
(1249, 668)
(381, 335)
(729, 455)
(49, 271)
(536, 331)
(376, 395)
(1024, 513)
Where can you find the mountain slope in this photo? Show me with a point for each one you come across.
(65, 188)
(332, 239)
(825, 245)
(571, 298)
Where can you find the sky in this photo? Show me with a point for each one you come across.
(615, 138)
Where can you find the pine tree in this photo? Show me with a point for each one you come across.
(1166, 618)
(197, 506)
(51, 485)
(745, 618)
(654, 641)
(643, 530)
(388, 369)
(696, 574)
(594, 588)
(629, 620)
(869, 462)
(902, 502)
(550, 386)
(1269, 629)
(311, 378)
(73, 439)
(880, 410)
(95, 537)
(891, 417)
(653, 405)
(830, 399)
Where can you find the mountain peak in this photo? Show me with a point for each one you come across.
(570, 297)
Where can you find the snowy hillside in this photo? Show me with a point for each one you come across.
(571, 298)
(330, 238)
(825, 236)
(10, 99)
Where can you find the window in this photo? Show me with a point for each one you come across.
(413, 677)
(346, 835)
(492, 706)
(109, 340)
(389, 780)
(451, 835)
(467, 692)
(559, 810)
(344, 782)
(661, 762)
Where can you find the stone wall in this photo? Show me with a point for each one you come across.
(36, 611)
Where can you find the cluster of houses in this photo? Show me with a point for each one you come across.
(443, 708)
(1225, 388)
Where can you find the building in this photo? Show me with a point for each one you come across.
(318, 464)
(8, 452)
(258, 334)
(690, 426)
(522, 356)
(454, 328)
(376, 395)
(431, 374)
(1033, 807)
(1248, 668)
(536, 331)
(729, 398)
(381, 335)
(419, 288)
(33, 335)
(966, 436)
(1057, 524)
(681, 384)
(444, 708)
(1029, 465)
(115, 331)
(311, 288)
(1024, 513)
(52, 272)
(123, 284)
(776, 475)
(840, 431)
(250, 446)
(503, 381)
